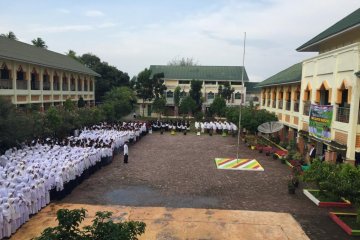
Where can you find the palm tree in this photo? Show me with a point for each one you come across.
(11, 35)
(38, 42)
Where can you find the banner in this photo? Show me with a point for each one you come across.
(320, 121)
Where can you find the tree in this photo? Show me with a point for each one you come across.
(225, 91)
(159, 105)
(10, 35)
(81, 102)
(177, 99)
(182, 62)
(187, 105)
(251, 118)
(148, 88)
(102, 228)
(73, 55)
(110, 76)
(195, 92)
(118, 103)
(218, 106)
(39, 42)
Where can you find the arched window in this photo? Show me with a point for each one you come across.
(237, 95)
(35, 84)
(4, 72)
(46, 81)
(72, 83)
(20, 74)
(169, 94)
(210, 95)
(65, 84)
(56, 82)
(79, 84)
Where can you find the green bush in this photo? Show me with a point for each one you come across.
(102, 228)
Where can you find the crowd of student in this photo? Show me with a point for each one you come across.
(179, 125)
(47, 169)
(219, 127)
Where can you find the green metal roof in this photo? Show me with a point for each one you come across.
(350, 21)
(289, 75)
(23, 52)
(230, 73)
(251, 87)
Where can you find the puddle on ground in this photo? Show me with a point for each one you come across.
(145, 196)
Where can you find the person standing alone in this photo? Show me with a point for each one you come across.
(126, 152)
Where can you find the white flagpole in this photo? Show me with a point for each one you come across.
(241, 100)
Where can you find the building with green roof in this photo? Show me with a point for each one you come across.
(329, 79)
(210, 76)
(33, 75)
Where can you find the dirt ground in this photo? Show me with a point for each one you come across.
(179, 172)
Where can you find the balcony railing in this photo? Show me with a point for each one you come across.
(342, 114)
(274, 104)
(280, 106)
(296, 106)
(35, 85)
(21, 84)
(5, 84)
(306, 108)
(287, 105)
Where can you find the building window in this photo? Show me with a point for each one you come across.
(169, 94)
(46, 82)
(20, 75)
(210, 82)
(4, 72)
(210, 95)
(184, 82)
(237, 95)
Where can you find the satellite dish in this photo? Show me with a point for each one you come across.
(270, 127)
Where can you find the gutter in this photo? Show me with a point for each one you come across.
(277, 84)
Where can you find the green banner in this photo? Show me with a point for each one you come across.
(320, 121)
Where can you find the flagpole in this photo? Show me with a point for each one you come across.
(241, 100)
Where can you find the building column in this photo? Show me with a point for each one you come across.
(13, 77)
(353, 120)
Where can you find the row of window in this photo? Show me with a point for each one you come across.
(210, 95)
(210, 82)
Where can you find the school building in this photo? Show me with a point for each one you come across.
(331, 78)
(211, 76)
(33, 75)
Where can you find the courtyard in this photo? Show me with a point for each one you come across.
(167, 172)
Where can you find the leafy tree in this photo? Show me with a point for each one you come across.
(251, 118)
(39, 42)
(159, 105)
(53, 121)
(182, 62)
(177, 98)
(72, 54)
(195, 92)
(10, 35)
(118, 103)
(81, 102)
(148, 88)
(69, 105)
(218, 106)
(187, 105)
(225, 91)
(102, 228)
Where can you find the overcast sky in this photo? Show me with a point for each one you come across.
(133, 34)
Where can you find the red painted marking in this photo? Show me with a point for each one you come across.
(222, 163)
(239, 164)
(339, 222)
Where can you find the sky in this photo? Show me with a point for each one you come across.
(134, 34)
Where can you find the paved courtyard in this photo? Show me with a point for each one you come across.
(179, 172)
